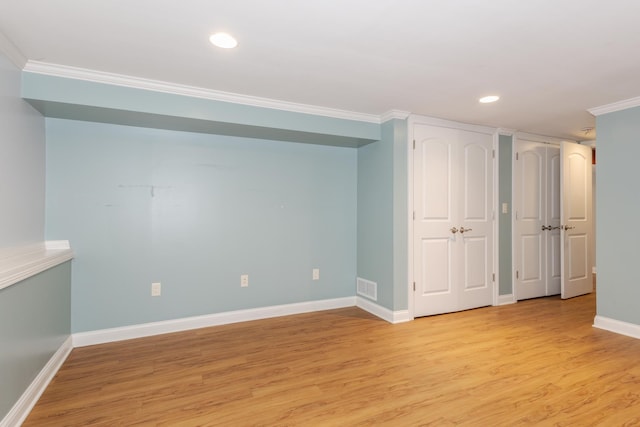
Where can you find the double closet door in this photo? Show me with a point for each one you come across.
(553, 234)
(453, 219)
(536, 201)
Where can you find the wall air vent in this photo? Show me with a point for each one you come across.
(367, 288)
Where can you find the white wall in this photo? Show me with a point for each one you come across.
(22, 163)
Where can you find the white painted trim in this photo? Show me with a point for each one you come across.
(95, 76)
(21, 409)
(541, 138)
(617, 326)
(83, 339)
(506, 299)
(12, 52)
(496, 218)
(20, 263)
(615, 106)
(506, 131)
(410, 221)
(432, 121)
(383, 312)
(394, 114)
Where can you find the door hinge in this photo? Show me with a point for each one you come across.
(517, 274)
(493, 154)
(494, 277)
(414, 215)
(517, 156)
(414, 144)
(414, 286)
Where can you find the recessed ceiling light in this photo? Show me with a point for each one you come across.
(223, 40)
(489, 99)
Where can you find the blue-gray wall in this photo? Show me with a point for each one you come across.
(618, 210)
(34, 313)
(382, 214)
(195, 211)
(400, 215)
(505, 261)
(375, 214)
(34, 323)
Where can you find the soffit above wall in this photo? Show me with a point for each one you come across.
(82, 99)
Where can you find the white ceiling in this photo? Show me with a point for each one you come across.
(549, 60)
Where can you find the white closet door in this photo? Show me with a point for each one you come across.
(530, 208)
(576, 217)
(553, 237)
(476, 244)
(453, 191)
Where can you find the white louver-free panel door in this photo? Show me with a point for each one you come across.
(453, 226)
(530, 209)
(577, 220)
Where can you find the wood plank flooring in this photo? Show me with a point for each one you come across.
(538, 362)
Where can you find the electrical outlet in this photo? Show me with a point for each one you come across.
(156, 289)
(244, 280)
(315, 275)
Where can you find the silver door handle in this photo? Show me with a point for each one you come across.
(454, 230)
(462, 229)
(567, 227)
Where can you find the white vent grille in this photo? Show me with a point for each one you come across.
(367, 288)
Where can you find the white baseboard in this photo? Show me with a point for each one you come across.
(506, 299)
(82, 339)
(27, 401)
(617, 326)
(383, 312)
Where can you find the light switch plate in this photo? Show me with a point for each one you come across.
(156, 289)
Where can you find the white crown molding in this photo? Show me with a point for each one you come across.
(12, 52)
(617, 326)
(384, 313)
(394, 114)
(615, 106)
(94, 76)
(434, 121)
(506, 131)
(83, 339)
(20, 263)
(21, 409)
(541, 138)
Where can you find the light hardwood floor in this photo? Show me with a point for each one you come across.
(538, 362)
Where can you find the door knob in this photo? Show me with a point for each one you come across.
(462, 230)
(454, 230)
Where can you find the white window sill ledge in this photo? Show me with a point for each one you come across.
(18, 264)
